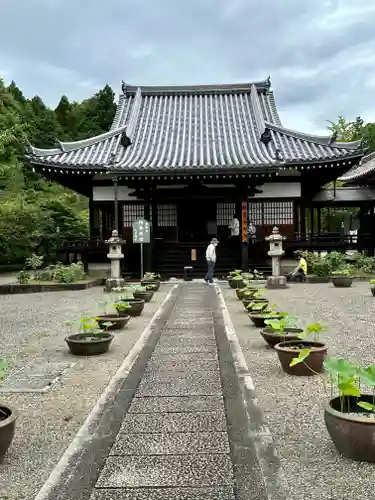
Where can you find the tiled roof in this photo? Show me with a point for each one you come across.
(365, 169)
(195, 127)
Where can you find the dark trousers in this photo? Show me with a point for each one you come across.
(210, 271)
(297, 276)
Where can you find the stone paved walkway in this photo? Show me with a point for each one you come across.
(173, 441)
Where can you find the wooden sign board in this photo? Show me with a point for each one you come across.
(244, 222)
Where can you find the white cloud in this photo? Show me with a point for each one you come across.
(320, 53)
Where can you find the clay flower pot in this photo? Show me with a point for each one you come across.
(136, 307)
(273, 338)
(143, 295)
(342, 281)
(89, 344)
(8, 417)
(155, 284)
(118, 322)
(353, 430)
(246, 302)
(236, 283)
(291, 349)
(259, 319)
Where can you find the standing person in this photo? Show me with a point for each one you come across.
(251, 232)
(211, 260)
(234, 226)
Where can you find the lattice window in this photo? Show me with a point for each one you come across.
(224, 213)
(167, 215)
(278, 212)
(132, 213)
(255, 213)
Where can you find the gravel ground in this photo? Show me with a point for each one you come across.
(293, 406)
(33, 329)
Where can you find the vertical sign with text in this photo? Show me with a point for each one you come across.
(244, 222)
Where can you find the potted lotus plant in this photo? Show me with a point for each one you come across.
(280, 330)
(303, 357)
(8, 417)
(261, 312)
(125, 294)
(245, 292)
(372, 283)
(236, 280)
(112, 315)
(343, 278)
(143, 292)
(255, 297)
(90, 339)
(152, 280)
(350, 413)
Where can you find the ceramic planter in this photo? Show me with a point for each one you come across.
(273, 338)
(353, 435)
(8, 417)
(136, 307)
(342, 281)
(89, 344)
(259, 319)
(155, 284)
(144, 295)
(118, 322)
(290, 350)
(373, 291)
(246, 302)
(236, 283)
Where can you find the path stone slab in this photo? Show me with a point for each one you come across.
(184, 357)
(177, 404)
(174, 422)
(183, 348)
(171, 443)
(224, 493)
(167, 470)
(182, 366)
(34, 376)
(169, 383)
(188, 333)
(194, 341)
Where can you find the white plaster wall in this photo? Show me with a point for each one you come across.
(280, 190)
(105, 193)
(271, 190)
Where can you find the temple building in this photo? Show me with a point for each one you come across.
(189, 158)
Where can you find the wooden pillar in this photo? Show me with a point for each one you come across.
(319, 220)
(92, 229)
(115, 201)
(147, 246)
(244, 239)
(302, 213)
(312, 220)
(295, 218)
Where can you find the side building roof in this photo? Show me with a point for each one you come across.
(185, 128)
(361, 173)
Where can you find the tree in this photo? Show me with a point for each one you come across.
(67, 117)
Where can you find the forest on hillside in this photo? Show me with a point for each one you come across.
(32, 208)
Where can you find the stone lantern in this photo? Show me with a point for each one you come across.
(276, 252)
(115, 255)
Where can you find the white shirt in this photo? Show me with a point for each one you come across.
(211, 252)
(234, 227)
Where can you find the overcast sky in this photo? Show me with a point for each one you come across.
(320, 53)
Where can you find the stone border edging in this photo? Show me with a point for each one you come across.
(75, 475)
(257, 467)
(16, 288)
